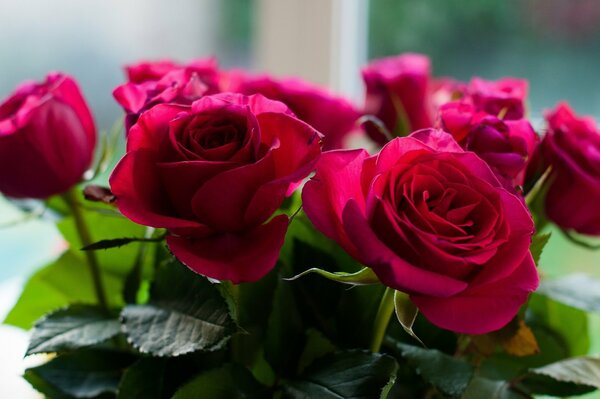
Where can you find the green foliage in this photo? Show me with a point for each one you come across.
(82, 374)
(230, 381)
(490, 389)
(350, 374)
(65, 281)
(186, 313)
(406, 313)
(538, 243)
(143, 380)
(576, 290)
(448, 374)
(77, 326)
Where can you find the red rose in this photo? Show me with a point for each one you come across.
(431, 220)
(212, 174)
(332, 116)
(506, 145)
(47, 138)
(572, 148)
(398, 92)
(152, 83)
(504, 97)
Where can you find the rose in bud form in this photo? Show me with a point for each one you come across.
(398, 93)
(152, 83)
(213, 174)
(331, 115)
(47, 138)
(506, 145)
(445, 90)
(503, 97)
(571, 147)
(431, 220)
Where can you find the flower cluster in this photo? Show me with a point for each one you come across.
(439, 213)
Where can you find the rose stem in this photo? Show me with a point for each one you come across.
(70, 198)
(382, 319)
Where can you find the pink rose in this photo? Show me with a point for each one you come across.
(572, 148)
(47, 138)
(212, 174)
(506, 145)
(331, 115)
(431, 220)
(504, 97)
(398, 92)
(152, 83)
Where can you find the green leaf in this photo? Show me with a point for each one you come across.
(582, 370)
(186, 313)
(230, 381)
(350, 374)
(143, 380)
(577, 290)
(364, 276)
(83, 374)
(65, 281)
(448, 374)
(490, 389)
(561, 331)
(406, 313)
(538, 243)
(114, 243)
(71, 328)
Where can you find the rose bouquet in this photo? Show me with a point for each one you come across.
(244, 247)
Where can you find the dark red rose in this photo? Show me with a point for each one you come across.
(331, 115)
(571, 147)
(152, 83)
(212, 174)
(47, 138)
(503, 97)
(398, 93)
(431, 220)
(506, 145)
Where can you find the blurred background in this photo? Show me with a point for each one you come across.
(555, 44)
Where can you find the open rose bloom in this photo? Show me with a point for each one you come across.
(212, 174)
(431, 220)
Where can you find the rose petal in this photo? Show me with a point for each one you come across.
(485, 308)
(140, 195)
(392, 270)
(239, 258)
(325, 195)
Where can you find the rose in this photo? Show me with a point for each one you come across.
(47, 138)
(571, 148)
(333, 116)
(506, 145)
(431, 220)
(152, 83)
(503, 97)
(398, 93)
(212, 174)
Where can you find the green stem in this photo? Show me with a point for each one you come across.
(84, 235)
(382, 319)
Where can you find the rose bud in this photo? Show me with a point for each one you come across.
(571, 147)
(504, 98)
(152, 83)
(398, 93)
(333, 116)
(433, 221)
(212, 174)
(47, 138)
(506, 145)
